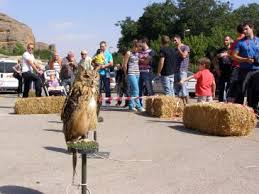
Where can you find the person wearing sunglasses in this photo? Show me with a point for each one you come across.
(30, 72)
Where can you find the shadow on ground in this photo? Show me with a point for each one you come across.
(98, 155)
(55, 121)
(181, 128)
(114, 108)
(7, 107)
(13, 189)
(165, 121)
(54, 130)
(56, 149)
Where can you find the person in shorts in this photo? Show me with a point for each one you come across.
(205, 86)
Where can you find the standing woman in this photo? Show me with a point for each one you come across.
(18, 75)
(55, 63)
(131, 70)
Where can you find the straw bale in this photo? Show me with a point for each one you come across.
(164, 106)
(220, 119)
(149, 105)
(39, 105)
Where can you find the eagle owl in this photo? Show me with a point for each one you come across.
(80, 109)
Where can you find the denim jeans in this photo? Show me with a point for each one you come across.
(181, 89)
(133, 81)
(145, 79)
(168, 84)
(105, 82)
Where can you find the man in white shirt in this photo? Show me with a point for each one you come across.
(86, 61)
(30, 72)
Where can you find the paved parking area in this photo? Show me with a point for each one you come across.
(150, 156)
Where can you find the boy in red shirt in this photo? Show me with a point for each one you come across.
(205, 86)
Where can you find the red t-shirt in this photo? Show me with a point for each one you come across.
(231, 50)
(204, 82)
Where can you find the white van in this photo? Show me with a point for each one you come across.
(7, 81)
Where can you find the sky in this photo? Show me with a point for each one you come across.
(78, 24)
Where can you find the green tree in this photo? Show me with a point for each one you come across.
(129, 31)
(157, 19)
(198, 46)
(200, 15)
(43, 54)
(18, 49)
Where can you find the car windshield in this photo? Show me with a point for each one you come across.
(1, 67)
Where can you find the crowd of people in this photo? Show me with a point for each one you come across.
(236, 64)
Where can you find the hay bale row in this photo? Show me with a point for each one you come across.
(220, 119)
(39, 105)
(164, 106)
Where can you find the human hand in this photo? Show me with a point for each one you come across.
(250, 60)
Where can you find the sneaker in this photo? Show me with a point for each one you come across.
(133, 110)
(20, 95)
(141, 109)
(117, 105)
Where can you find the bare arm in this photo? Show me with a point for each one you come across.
(182, 54)
(186, 79)
(160, 65)
(15, 68)
(213, 88)
(125, 62)
(236, 57)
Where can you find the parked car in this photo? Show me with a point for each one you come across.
(112, 81)
(158, 88)
(7, 81)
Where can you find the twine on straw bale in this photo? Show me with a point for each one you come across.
(164, 106)
(39, 105)
(220, 119)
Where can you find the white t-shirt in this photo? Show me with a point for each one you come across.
(57, 66)
(25, 65)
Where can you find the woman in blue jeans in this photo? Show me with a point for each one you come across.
(131, 69)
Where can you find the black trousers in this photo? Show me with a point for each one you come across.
(223, 86)
(251, 85)
(28, 78)
(19, 77)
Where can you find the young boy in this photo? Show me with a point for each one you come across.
(205, 86)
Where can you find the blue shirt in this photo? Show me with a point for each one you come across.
(108, 59)
(248, 48)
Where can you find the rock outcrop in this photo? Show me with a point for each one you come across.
(13, 32)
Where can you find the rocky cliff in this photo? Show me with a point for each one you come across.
(13, 32)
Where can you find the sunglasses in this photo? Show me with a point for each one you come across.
(83, 53)
(31, 48)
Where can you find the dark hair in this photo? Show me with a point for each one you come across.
(103, 42)
(98, 51)
(240, 28)
(165, 40)
(248, 23)
(177, 36)
(145, 40)
(205, 61)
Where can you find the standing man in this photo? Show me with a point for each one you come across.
(86, 61)
(224, 68)
(234, 90)
(105, 71)
(30, 72)
(182, 64)
(67, 72)
(246, 52)
(145, 68)
(166, 66)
